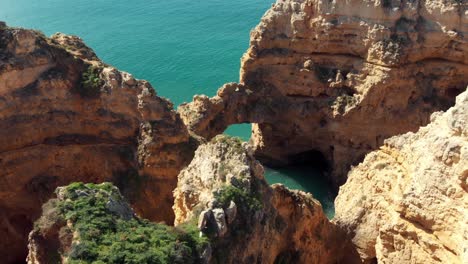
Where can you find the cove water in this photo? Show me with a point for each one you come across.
(183, 47)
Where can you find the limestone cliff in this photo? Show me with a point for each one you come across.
(407, 202)
(339, 77)
(225, 213)
(66, 116)
(248, 221)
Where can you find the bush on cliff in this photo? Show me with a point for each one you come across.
(90, 83)
(229, 193)
(108, 232)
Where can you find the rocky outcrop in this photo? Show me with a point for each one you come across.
(66, 116)
(92, 223)
(339, 77)
(225, 213)
(412, 199)
(247, 221)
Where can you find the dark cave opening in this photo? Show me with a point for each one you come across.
(311, 158)
(306, 171)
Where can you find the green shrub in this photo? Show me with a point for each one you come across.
(90, 83)
(242, 198)
(105, 237)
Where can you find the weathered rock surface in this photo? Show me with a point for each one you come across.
(408, 201)
(340, 76)
(248, 221)
(65, 116)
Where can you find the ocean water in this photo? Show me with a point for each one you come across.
(305, 178)
(183, 47)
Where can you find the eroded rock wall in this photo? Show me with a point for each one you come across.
(66, 116)
(412, 199)
(248, 221)
(341, 76)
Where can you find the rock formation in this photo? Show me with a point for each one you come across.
(339, 77)
(92, 223)
(412, 202)
(66, 116)
(248, 221)
(241, 219)
(322, 81)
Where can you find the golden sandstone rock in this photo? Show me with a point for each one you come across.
(407, 202)
(247, 221)
(65, 116)
(339, 77)
(325, 81)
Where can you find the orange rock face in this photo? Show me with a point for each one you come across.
(412, 200)
(339, 77)
(248, 221)
(65, 116)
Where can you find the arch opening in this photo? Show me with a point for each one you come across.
(243, 131)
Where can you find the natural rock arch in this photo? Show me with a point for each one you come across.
(341, 74)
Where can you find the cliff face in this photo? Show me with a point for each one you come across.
(339, 77)
(66, 116)
(412, 199)
(240, 218)
(248, 221)
(329, 77)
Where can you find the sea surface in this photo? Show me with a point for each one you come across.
(183, 47)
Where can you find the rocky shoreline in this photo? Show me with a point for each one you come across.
(375, 90)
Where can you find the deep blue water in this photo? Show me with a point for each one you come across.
(183, 47)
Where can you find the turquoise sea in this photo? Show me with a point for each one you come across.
(183, 47)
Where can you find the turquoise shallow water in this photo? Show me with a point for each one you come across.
(183, 47)
(304, 178)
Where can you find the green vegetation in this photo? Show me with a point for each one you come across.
(107, 237)
(90, 83)
(242, 198)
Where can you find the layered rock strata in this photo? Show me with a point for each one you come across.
(412, 201)
(339, 77)
(247, 221)
(66, 116)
